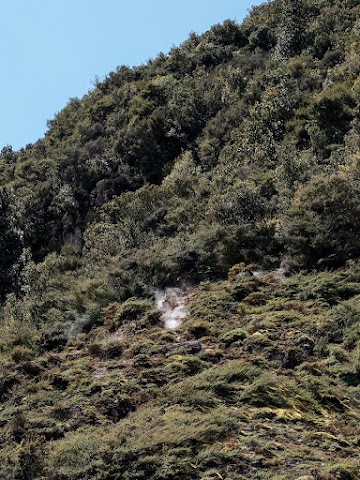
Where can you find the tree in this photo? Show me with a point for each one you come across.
(322, 225)
(10, 247)
(290, 39)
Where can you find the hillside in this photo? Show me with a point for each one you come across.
(220, 182)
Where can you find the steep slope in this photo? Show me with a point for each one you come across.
(206, 169)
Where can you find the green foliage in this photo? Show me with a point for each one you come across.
(317, 228)
(193, 158)
(75, 458)
(11, 247)
(207, 168)
(291, 36)
(333, 111)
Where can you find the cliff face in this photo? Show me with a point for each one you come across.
(205, 170)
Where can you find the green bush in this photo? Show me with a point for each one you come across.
(76, 457)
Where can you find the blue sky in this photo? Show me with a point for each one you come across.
(52, 50)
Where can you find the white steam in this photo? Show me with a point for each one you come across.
(172, 305)
(76, 325)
